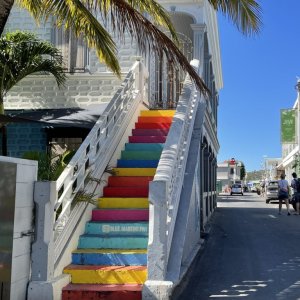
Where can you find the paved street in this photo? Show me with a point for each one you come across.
(251, 253)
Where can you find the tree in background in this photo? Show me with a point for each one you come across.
(242, 171)
(23, 54)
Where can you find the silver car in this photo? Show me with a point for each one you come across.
(236, 189)
(272, 191)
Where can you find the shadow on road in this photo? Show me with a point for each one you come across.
(252, 252)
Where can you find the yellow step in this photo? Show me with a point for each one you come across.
(157, 113)
(134, 171)
(107, 274)
(105, 202)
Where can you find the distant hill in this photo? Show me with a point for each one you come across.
(255, 175)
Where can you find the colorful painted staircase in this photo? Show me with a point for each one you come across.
(111, 258)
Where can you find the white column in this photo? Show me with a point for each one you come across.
(198, 43)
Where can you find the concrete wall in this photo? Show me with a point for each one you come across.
(25, 175)
(194, 220)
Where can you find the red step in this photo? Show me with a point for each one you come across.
(155, 119)
(129, 180)
(152, 125)
(102, 291)
(129, 192)
(120, 215)
(150, 132)
(147, 139)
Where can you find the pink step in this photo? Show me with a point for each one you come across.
(147, 139)
(120, 215)
(152, 125)
(150, 132)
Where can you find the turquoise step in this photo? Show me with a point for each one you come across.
(110, 257)
(147, 155)
(117, 228)
(90, 241)
(144, 146)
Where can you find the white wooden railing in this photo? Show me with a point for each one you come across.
(165, 189)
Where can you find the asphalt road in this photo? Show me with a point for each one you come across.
(251, 252)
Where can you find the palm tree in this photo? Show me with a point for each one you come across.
(22, 54)
(128, 15)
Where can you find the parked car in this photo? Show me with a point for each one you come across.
(272, 191)
(236, 189)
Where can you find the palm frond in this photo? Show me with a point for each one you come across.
(125, 18)
(22, 54)
(159, 16)
(245, 14)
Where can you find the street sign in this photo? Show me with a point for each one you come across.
(288, 126)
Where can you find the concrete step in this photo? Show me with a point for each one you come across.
(123, 191)
(120, 215)
(125, 203)
(158, 113)
(110, 257)
(102, 292)
(117, 228)
(129, 181)
(150, 132)
(134, 171)
(124, 241)
(153, 125)
(147, 139)
(107, 274)
(132, 163)
(144, 147)
(141, 155)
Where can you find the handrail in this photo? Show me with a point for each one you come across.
(94, 155)
(165, 189)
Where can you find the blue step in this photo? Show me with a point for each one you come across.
(110, 258)
(144, 147)
(92, 241)
(133, 163)
(117, 228)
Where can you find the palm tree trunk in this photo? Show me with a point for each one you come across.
(5, 8)
(3, 130)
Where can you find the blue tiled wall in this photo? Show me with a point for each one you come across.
(23, 137)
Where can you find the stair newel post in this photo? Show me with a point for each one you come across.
(157, 245)
(140, 79)
(43, 247)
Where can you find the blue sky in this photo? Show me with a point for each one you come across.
(259, 75)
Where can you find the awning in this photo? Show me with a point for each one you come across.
(59, 117)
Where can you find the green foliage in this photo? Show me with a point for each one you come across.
(245, 14)
(255, 175)
(49, 166)
(23, 54)
(243, 171)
